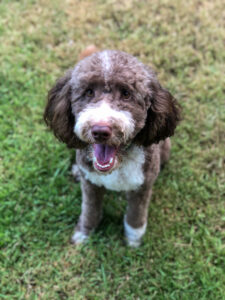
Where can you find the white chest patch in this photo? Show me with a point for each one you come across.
(127, 177)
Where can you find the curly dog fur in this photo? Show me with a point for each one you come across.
(113, 110)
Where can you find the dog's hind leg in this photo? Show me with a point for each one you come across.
(165, 147)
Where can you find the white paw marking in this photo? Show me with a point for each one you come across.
(78, 237)
(134, 235)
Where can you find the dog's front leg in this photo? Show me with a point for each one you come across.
(91, 212)
(135, 220)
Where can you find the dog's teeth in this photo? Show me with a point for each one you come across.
(105, 166)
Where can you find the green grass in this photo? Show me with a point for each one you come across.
(183, 253)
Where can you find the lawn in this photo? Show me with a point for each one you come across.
(183, 252)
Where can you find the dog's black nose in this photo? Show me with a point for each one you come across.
(101, 133)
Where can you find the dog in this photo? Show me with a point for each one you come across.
(112, 109)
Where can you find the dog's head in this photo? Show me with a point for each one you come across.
(110, 100)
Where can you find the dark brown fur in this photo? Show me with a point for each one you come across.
(162, 118)
(58, 114)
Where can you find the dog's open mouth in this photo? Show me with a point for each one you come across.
(104, 157)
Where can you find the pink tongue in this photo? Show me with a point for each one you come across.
(104, 153)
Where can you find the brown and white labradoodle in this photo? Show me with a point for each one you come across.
(112, 109)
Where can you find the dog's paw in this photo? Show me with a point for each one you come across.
(76, 173)
(78, 238)
(133, 235)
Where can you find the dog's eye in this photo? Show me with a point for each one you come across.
(125, 94)
(89, 93)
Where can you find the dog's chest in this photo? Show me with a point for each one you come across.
(129, 176)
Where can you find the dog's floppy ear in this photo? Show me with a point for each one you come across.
(58, 114)
(162, 116)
